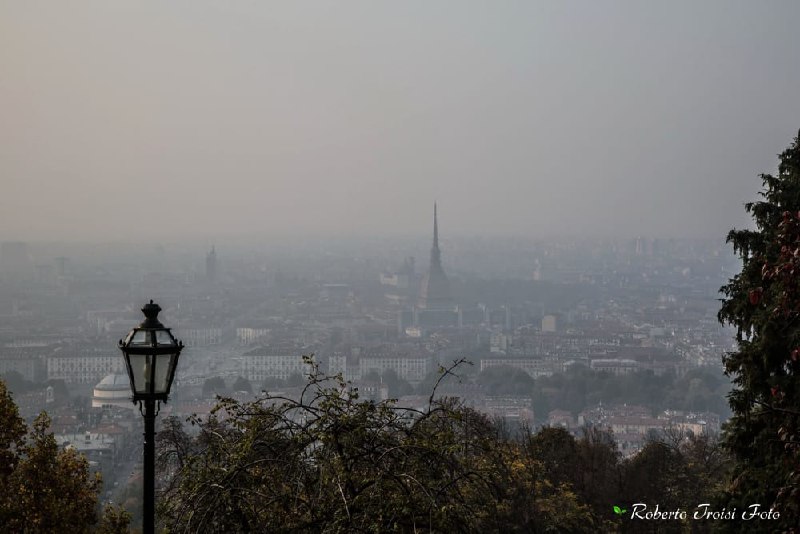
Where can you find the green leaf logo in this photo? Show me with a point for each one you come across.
(619, 511)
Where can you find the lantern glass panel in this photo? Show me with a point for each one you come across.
(164, 338)
(139, 337)
(166, 362)
(141, 369)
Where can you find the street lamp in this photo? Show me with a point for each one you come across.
(151, 355)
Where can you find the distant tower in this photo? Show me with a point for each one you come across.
(211, 265)
(435, 291)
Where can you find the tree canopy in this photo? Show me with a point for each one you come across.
(46, 488)
(763, 303)
(331, 462)
(214, 386)
(242, 384)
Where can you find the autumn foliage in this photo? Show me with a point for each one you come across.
(763, 303)
(331, 462)
(46, 488)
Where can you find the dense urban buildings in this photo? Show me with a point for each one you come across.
(548, 330)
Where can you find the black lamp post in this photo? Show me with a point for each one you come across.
(151, 355)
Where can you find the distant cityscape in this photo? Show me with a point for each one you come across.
(527, 311)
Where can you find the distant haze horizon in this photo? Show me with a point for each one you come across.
(240, 240)
(154, 122)
(232, 246)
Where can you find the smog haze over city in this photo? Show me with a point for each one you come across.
(510, 214)
(217, 119)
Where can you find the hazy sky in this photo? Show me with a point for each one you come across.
(213, 118)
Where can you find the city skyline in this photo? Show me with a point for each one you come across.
(451, 266)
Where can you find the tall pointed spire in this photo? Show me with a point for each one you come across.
(435, 228)
(436, 254)
(435, 290)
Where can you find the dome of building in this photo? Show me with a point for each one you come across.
(113, 390)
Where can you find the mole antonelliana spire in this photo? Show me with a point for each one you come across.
(435, 290)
